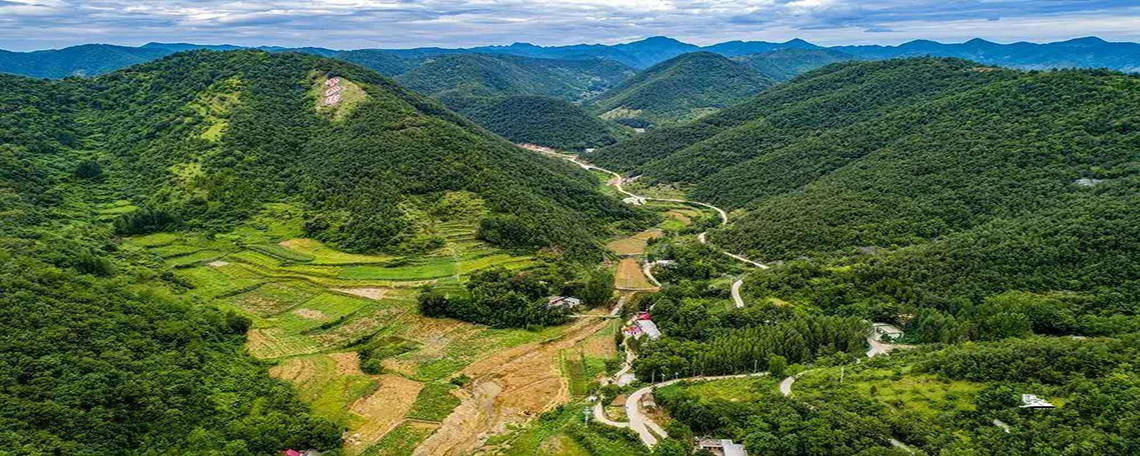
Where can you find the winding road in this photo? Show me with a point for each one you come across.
(646, 428)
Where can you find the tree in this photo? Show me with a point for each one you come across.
(777, 365)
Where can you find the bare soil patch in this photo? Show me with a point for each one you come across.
(630, 276)
(311, 314)
(509, 387)
(347, 363)
(367, 292)
(217, 263)
(381, 411)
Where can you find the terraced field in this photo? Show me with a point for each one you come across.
(312, 307)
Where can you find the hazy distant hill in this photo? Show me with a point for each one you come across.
(738, 48)
(684, 87)
(524, 99)
(1077, 53)
(449, 76)
(785, 64)
(1089, 52)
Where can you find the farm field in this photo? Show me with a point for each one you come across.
(630, 276)
(898, 388)
(312, 307)
(634, 245)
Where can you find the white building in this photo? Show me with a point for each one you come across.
(563, 302)
(649, 328)
(1032, 401)
(723, 447)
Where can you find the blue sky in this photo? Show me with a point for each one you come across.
(352, 24)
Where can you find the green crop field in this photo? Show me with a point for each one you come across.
(732, 390)
(434, 402)
(898, 388)
(313, 306)
(402, 440)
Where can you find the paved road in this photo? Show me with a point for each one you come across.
(600, 416)
(736, 293)
(638, 421)
(647, 430)
(786, 385)
(647, 269)
(875, 340)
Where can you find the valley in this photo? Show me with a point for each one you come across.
(590, 250)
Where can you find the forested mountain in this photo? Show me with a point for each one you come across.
(463, 75)
(786, 64)
(546, 121)
(969, 180)
(524, 99)
(739, 48)
(682, 88)
(1089, 52)
(100, 356)
(83, 60)
(87, 60)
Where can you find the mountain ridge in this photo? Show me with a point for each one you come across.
(641, 54)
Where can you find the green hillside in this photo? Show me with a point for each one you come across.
(540, 120)
(785, 64)
(914, 184)
(682, 88)
(463, 75)
(526, 100)
(105, 354)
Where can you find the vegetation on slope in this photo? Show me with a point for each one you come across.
(102, 357)
(539, 120)
(99, 357)
(466, 75)
(682, 88)
(526, 100)
(936, 152)
(785, 64)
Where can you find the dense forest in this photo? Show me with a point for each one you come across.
(854, 417)
(785, 64)
(100, 356)
(915, 191)
(546, 121)
(682, 88)
(526, 100)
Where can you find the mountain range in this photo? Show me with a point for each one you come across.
(1089, 52)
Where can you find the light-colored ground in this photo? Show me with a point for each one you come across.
(376, 293)
(736, 298)
(636, 244)
(631, 277)
(311, 314)
(381, 411)
(508, 387)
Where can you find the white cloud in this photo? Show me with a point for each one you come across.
(33, 24)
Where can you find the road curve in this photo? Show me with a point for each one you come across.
(648, 430)
(736, 298)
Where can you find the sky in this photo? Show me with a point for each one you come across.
(355, 24)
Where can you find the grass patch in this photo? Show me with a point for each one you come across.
(732, 390)
(283, 253)
(434, 402)
(401, 440)
(561, 432)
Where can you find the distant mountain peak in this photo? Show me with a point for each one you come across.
(1086, 41)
